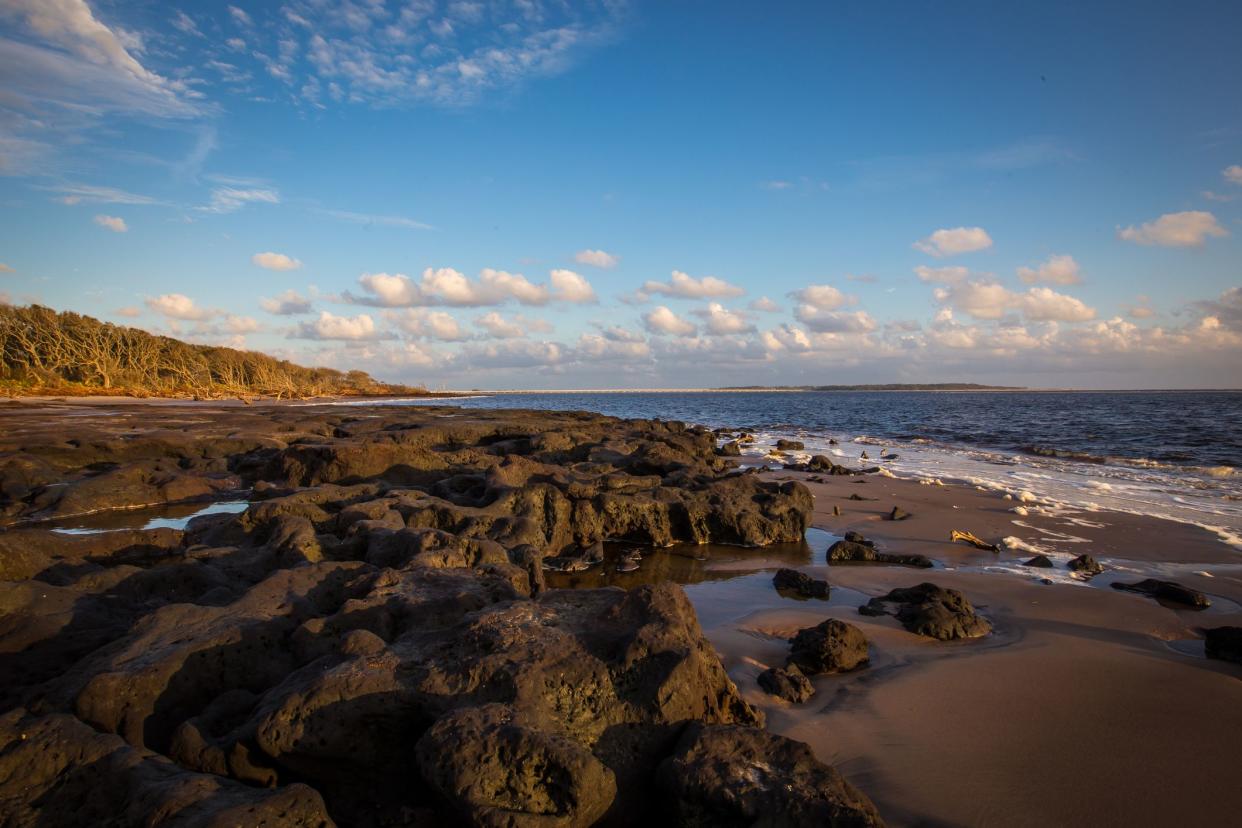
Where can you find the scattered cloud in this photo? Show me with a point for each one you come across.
(950, 275)
(86, 193)
(422, 323)
(955, 241)
(568, 286)
(1213, 196)
(1233, 174)
(76, 60)
(684, 286)
(289, 303)
(597, 258)
(179, 306)
(517, 327)
(984, 299)
(114, 223)
(377, 220)
(231, 199)
(841, 322)
(129, 312)
(1058, 270)
(661, 320)
(821, 297)
(446, 286)
(764, 305)
(330, 326)
(275, 261)
(721, 321)
(5, 268)
(1186, 229)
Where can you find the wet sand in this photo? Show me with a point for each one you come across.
(1086, 706)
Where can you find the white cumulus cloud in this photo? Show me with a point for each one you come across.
(1186, 229)
(951, 242)
(597, 258)
(179, 306)
(685, 286)
(275, 261)
(330, 326)
(1058, 270)
(661, 320)
(289, 303)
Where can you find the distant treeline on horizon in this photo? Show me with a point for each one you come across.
(894, 386)
(44, 351)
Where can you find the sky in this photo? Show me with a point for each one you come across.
(606, 194)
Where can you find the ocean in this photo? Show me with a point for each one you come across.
(1169, 454)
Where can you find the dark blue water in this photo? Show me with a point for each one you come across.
(1176, 428)
(1168, 454)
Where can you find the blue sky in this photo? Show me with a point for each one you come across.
(609, 194)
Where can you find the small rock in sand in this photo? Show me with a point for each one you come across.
(931, 610)
(1085, 565)
(799, 583)
(1041, 561)
(863, 552)
(897, 514)
(786, 683)
(1224, 643)
(831, 647)
(789, 445)
(1168, 591)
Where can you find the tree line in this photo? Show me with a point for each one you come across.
(43, 350)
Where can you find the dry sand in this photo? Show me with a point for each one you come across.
(1087, 706)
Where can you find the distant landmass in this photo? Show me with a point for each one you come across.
(43, 351)
(893, 386)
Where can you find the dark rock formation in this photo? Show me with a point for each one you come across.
(1224, 643)
(789, 445)
(1169, 592)
(897, 514)
(730, 449)
(801, 584)
(853, 552)
(1085, 565)
(930, 610)
(1040, 561)
(788, 683)
(830, 647)
(735, 776)
(373, 637)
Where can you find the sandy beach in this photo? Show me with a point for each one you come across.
(1087, 705)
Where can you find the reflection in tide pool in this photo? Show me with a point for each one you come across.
(174, 516)
(723, 582)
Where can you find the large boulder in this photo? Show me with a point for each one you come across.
(55, 770)
(495, 769)
(725, 776)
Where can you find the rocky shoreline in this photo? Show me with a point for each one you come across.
(372, 641)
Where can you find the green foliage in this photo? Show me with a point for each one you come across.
(42, 350)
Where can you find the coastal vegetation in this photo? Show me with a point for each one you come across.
(43, 351)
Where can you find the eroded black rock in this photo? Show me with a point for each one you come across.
(799, 583)
(930, 610)
(853, 552)
(734, 776)
(788, 683)
(830, 647)
(1167, 591)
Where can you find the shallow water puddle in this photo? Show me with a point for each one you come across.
(173, 516)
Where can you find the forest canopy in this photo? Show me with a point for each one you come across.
(46, 351)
